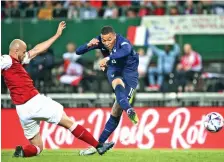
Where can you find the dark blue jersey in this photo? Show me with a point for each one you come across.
(122, 56)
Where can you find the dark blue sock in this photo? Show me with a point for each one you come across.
(121, 97)
(110, 126)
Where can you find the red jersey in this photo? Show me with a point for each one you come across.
(17, 80)
(193, 60)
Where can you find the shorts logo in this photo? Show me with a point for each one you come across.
(112, 75)
(113, 61)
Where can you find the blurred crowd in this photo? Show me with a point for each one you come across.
(106, 9)
(164, 69)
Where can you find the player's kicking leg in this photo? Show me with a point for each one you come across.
(109, 128)
(81, 133)
(122, 99)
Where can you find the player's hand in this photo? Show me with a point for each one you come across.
(103, 63)
(61, 27)
(102, 68)
(93, 42)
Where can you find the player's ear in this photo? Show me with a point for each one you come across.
(16, 51)
(114, 35)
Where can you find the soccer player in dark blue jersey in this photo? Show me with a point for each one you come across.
(121, 62)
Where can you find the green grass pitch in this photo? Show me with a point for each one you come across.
(122, 155)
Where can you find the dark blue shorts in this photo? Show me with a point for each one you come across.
(130, 79)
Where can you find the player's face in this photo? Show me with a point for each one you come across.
(21, 53)
(108, 40)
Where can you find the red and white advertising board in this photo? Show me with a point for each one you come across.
(158, 128)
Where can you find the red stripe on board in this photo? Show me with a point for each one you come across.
(131, 33)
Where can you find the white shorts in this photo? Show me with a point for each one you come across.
(39, 108)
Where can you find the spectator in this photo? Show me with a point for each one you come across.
(70, 55)
(174, 11)
(40, 70)
(15, 13)
(72, 10)
(159, 8)
(189, 8)
(97, 76)
(59, 11)
(111, 11)
(30, 9)
(218, 7)
(165, 63)
(143, 11)
(88, 12)
(126, 3)
(39, 4)
(131, 13)
(147, 3)
(73, 71)
(144, 60)
(189, 64)
(5, 9)
(136, 3)
(171, 3)
(46, 12)
(96, 4)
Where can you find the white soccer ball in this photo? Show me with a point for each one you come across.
(213, 122)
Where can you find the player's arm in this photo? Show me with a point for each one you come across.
(6, 62)
(93, 44)
(125, 50)
(41, 47)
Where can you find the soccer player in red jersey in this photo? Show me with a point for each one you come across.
(33, 107)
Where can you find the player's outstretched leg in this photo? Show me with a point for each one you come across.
(122, 99)
(109, 128)
(81, 133)
(33, 149)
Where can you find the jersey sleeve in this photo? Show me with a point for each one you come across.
(122, 52)
(84, 48)
(6, 62)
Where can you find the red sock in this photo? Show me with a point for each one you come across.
(31, 150)
(81, 133)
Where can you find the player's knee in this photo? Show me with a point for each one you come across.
(116, 113)
(116, 110)
(116, 82)
(65, 121)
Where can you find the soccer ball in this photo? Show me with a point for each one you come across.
(213, 122)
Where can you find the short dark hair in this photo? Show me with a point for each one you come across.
(106, 30)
